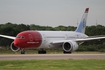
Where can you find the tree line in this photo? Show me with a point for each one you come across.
(12, 29)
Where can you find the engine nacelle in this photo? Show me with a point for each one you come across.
(70, 46)
(14, 48)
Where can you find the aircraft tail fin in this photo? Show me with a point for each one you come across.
(82, 25)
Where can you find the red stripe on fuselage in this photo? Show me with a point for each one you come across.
(28, 39)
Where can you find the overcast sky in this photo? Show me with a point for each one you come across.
(51, 12)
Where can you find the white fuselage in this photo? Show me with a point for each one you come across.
(50, 36)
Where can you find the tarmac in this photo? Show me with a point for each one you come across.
(50, 56)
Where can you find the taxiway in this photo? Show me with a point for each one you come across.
(51, 56)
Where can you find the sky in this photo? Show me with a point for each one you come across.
(51, 12)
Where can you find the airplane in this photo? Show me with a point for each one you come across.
(69, 41)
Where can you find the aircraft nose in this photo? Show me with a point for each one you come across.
(17, 43)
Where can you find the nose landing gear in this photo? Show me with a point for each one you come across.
(22, 51)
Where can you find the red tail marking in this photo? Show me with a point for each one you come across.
(87, 9)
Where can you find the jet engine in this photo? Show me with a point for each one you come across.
(70, 46)
(14, 48)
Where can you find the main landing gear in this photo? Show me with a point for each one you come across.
(41, 51)
(66, 52)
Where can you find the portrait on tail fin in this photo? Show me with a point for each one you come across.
(82, 25)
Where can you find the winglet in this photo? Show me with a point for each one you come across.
(82, 25)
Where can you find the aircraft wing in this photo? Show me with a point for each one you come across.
(90, 38)
(59, 42)
(9, 37)
(79, 40)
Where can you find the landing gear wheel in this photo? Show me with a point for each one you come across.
(22, 51)
(41, 51)
(66, 52)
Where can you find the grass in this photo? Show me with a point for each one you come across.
(53, 65)
(59, 51)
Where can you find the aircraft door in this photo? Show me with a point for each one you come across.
(30, 37)
(44, 38)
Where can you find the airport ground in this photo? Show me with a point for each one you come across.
(16, 61)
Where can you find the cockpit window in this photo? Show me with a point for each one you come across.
(21, 37)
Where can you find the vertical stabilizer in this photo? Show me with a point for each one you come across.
(82, 25)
